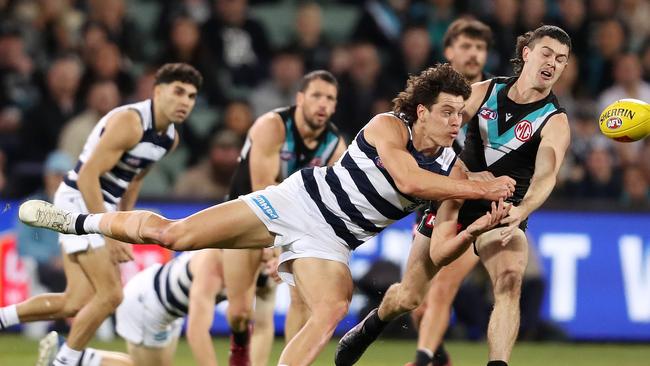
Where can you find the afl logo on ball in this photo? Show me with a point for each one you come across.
(614, 123)
(524, 130)
(487, 113)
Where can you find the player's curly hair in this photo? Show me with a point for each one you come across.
(185, 73)
(529, 38)
(425, 88)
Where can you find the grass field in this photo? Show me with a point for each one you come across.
(16, 350)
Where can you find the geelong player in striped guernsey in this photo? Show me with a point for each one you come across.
(108, 175)
(397, 162)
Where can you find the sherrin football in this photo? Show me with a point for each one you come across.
(625, 120)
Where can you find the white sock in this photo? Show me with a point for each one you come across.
(67, 356)
(8, 316)
(91, 223)
(91, 357)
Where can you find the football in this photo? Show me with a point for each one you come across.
(625, 120)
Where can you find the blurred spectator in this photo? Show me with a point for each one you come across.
(439, 15)
(628, 81)
(239, 43)
(364, 90)
(210, 179)
(645, 60)
(121, 30)
(600, 179)
(628, 84)
(184, 45)
(144, 85)
(636, 189)
(42, 126)
(40, 244)
(609, 41)
(601, 9)
(572, 17)
(197, 10)
(309, 38)
(102, 97)
(381, 23)
(339, 61)
(18, 93)
(415, 54)
(238, 118)
(280, 90)
(107, 65)
(504, 27)
(532, 14)
(635, 14)
(56, 24)
(93, 36)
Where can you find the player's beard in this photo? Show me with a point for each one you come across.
(310, 122)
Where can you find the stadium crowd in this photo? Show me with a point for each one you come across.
(65, 63)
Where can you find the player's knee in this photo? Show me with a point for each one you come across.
(71, 309)
(239, 315)
(508, 282)
(408, 303)
(112, 298)
(332, 312)
(443, 292)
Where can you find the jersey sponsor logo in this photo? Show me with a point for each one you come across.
(161, 336)
(508, 116)
(614, 123)
(379, 163)
(264, 205)
(487, 113)
(524, 130)
(430, 220)
(317, 161)
(133, 161)
(287, 155)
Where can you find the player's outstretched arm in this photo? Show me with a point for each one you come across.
(389, 136)
(207, 283)
(266, 136)
(446, 245)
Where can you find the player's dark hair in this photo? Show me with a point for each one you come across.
(529, 38)
(324, 75)
(185, 73)
(468, 27)
(425, 88)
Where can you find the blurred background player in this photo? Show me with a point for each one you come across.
(279, 143)
(107, 177)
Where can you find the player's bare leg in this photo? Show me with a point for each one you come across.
(297, 314)
(228, 225)
(240, 269)
(327, 289)
(505, 265)
(104, 275)
(399, 299)
(152, 356)
(50, 306)
(441, 294)
(264, 326)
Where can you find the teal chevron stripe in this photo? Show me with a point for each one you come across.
(497, 140)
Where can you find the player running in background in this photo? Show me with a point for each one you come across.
(278, 144)
(108, 175)
(522, 131)
(466, 44)
(318, 215)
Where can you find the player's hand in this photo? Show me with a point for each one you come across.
(490, 219)
(120, 252)
(516, 216)
(483, 176)
(498, 188)
(270, 259)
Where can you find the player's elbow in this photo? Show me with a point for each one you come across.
(407, 186)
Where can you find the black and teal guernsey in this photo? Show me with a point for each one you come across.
(504, 139)
(294, 155)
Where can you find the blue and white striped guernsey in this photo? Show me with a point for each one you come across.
(172, 284)
(151, 148)
(358, 198)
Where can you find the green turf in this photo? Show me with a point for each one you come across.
(16, 350)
